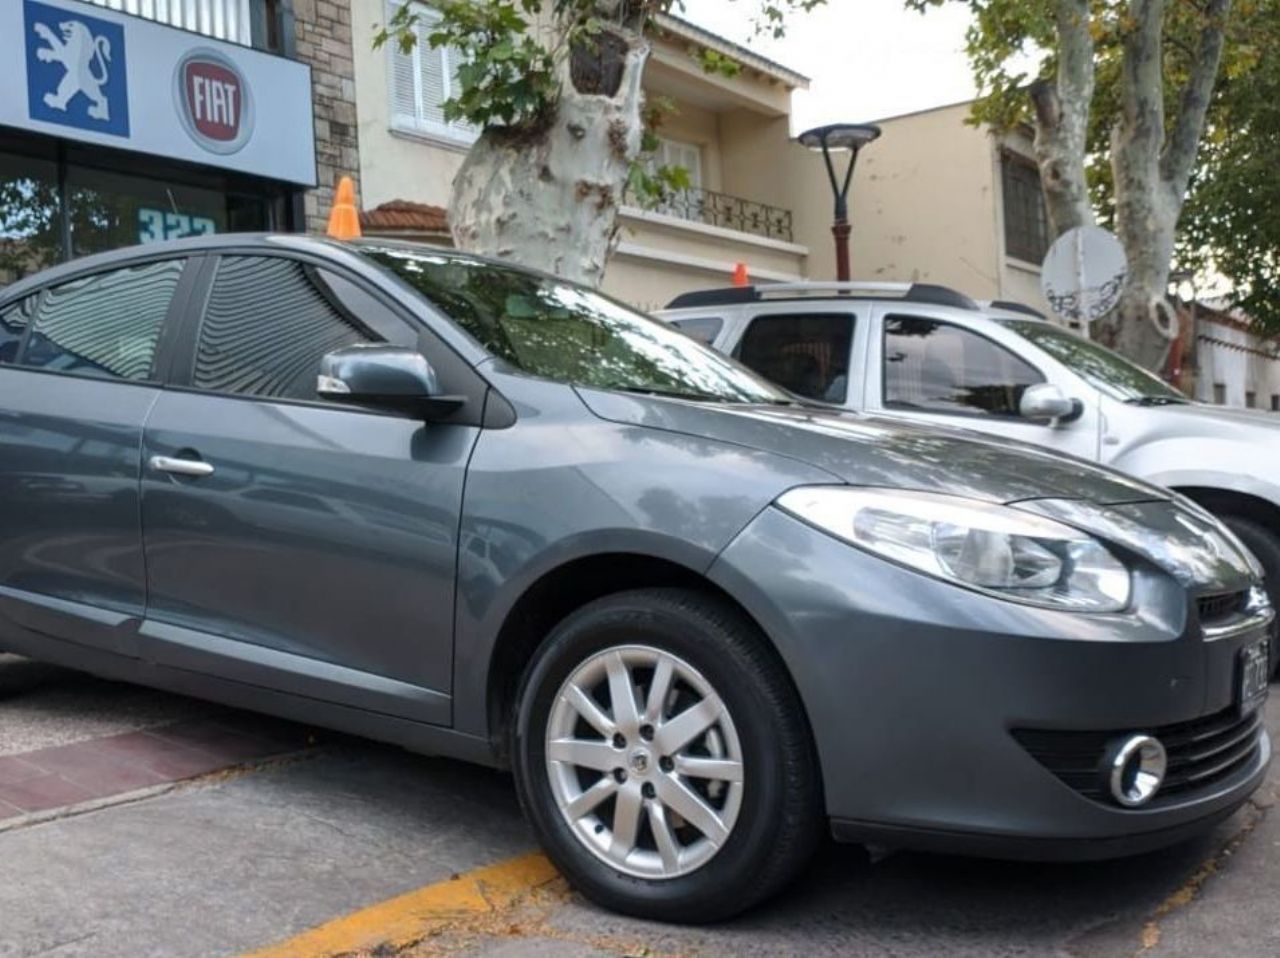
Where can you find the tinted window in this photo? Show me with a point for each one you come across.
(704, 329)
(107, 324)
(808, 355)
(268, 323)
(549, 328)
(13, 323)
(937, 366)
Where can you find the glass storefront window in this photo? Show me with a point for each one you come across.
(59, 201)
(110, 210)
(30, 225)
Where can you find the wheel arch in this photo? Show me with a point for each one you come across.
(562, 590)
(1219, 500)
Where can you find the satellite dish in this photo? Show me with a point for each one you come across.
(1083, 274)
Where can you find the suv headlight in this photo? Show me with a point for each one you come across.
(991, 548)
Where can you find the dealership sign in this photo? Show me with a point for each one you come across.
(121, 81)
(214, 101)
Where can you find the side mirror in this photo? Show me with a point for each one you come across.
(1045, 402)
(388, 377)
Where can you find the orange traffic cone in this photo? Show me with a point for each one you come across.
(740, 277)
(344, 218)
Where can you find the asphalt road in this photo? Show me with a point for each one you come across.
(253, 854)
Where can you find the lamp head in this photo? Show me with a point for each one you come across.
(839, 137)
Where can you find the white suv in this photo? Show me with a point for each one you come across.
(929, 354)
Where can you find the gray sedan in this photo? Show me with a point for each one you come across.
(480, 512)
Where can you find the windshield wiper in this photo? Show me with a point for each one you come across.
(1156, 401)
(672, 394)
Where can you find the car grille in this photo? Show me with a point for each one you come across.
(1216, 609)
(1201, 753)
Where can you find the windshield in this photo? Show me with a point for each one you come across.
(555, 330)
(1108, 371)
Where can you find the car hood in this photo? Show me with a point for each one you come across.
(871, 451)
(1187, 420)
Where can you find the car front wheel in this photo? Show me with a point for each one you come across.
(664, 759)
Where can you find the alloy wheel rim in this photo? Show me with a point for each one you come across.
(645, 762)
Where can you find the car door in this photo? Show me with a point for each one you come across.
(78, 376)
(930, 369)
(292, 543)
(806, 350)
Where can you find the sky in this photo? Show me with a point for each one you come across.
(867, 59)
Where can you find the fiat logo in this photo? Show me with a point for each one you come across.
(214, 101)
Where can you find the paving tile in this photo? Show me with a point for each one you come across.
(186, 763)
(14, 769)
(143, 747)
(100, 772)
(44, 792)
(218, 739)
(8, 811)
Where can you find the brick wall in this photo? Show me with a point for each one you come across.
(323, 39)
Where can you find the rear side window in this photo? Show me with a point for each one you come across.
(14, 320)
(104, 325)
(268, 323)
(939, 367)
(704, 329)
(807, 354)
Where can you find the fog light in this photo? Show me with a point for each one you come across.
(1135, 770)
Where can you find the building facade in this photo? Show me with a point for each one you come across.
(732, 214)
(132, 121)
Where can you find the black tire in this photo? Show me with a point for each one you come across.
(780, 818)
(1264, 544)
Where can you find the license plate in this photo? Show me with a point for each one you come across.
(1255, 673)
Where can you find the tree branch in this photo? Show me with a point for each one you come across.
(1062, 120)
(1180, 150)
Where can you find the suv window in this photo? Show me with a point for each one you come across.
(107, 324)
(268, 323)
(14, 320)
(944, 368)
(807, 354)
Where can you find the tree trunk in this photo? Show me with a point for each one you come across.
(549, 198)
(1151, 169)
(1062, 121)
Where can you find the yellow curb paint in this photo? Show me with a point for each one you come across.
(401, 921)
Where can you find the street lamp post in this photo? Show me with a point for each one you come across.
(840, 138)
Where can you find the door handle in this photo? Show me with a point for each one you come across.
(181, 467)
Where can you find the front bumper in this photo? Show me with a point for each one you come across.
(914, 687)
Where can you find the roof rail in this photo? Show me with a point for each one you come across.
(1010, 306)
(907, 292)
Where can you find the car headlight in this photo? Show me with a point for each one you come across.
(991, 548)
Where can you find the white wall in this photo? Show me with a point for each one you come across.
(1239, 370)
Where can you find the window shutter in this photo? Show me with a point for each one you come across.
(431, 68)
(404, 96)
(423, 79)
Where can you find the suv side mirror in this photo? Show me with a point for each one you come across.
(1045, 402)
(389, 377)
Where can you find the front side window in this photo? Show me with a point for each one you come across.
(808, 354)
(104, 325)
(937, 367)
(14, 320)
(544, 327)
(1105, 370)
(422, 79)
(268, 323)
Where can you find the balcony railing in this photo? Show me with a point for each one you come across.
(730, 212)
(238, 21)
